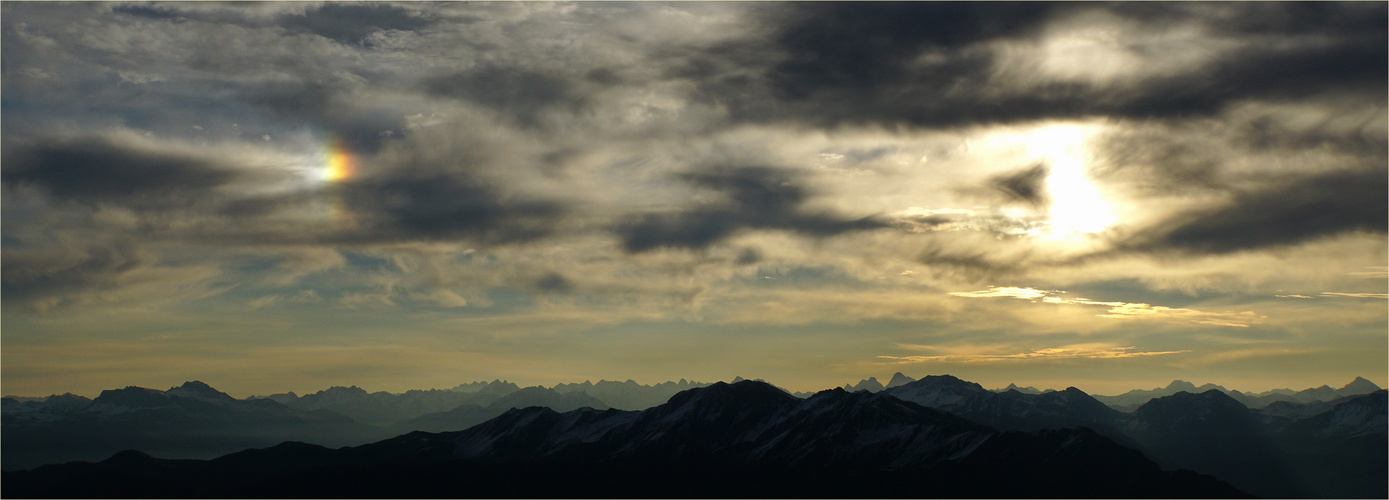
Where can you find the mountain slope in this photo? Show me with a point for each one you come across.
(726, 440)
(468, 415)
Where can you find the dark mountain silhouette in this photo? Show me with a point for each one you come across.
(1210, 433)
(189, 421)
(748, 439)
(1340, 451)
(1131, 400)
(1010, 410)
(468, 415)
(1215, 434)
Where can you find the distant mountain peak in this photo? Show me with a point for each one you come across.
(947, 381)
(198, 390)
(1359, 386)
(1182, 385)
(899, 379)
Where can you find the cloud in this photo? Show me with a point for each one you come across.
(1007, 291)
(1069, 352)
(352, 23)
(523, 94)
(1357, 295)
(101, 169)
(1027, 185)
(1293, 211)
(1122, 310)
(427, 206)
(753, 198)
(944, 65)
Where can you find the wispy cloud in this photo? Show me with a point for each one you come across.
(1376, 272)
(1357, 295)
(1122, 310)
(1007, 291)
(1068, 352)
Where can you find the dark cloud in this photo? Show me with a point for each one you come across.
(352, 22)
(554, 282)
(748, 256)
(407, 199)
(41, 278)
(970, 266)
(859, 48)
(521, 93)
(1158, 161)
(926, 64)
(1289, 212)
(436, 206)
(755, 198)
(100, 170)
(330, 108)
(1027, 185)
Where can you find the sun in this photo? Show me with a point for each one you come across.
(1077, 207)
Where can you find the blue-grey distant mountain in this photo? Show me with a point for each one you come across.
(870, 384)
(727, 440)
(1025, 390)
(898, 379)
(629, 395)
(189, 421)
(384, 408)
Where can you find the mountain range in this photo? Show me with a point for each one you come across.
(748, 439)
(190, 421)
(1324, 448)
(1133, 399)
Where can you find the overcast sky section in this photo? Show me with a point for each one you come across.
(285, 196)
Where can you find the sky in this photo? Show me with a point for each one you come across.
(288, 196)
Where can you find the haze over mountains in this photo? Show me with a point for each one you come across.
(1288, 448)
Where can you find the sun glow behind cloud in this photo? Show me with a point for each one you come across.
(1076, 204)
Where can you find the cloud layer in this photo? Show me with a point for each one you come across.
(621, 190)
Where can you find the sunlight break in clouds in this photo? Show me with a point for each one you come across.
(1122, 310)
(1358, 295)
(1068, 352)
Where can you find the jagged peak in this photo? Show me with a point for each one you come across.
(899, 379)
